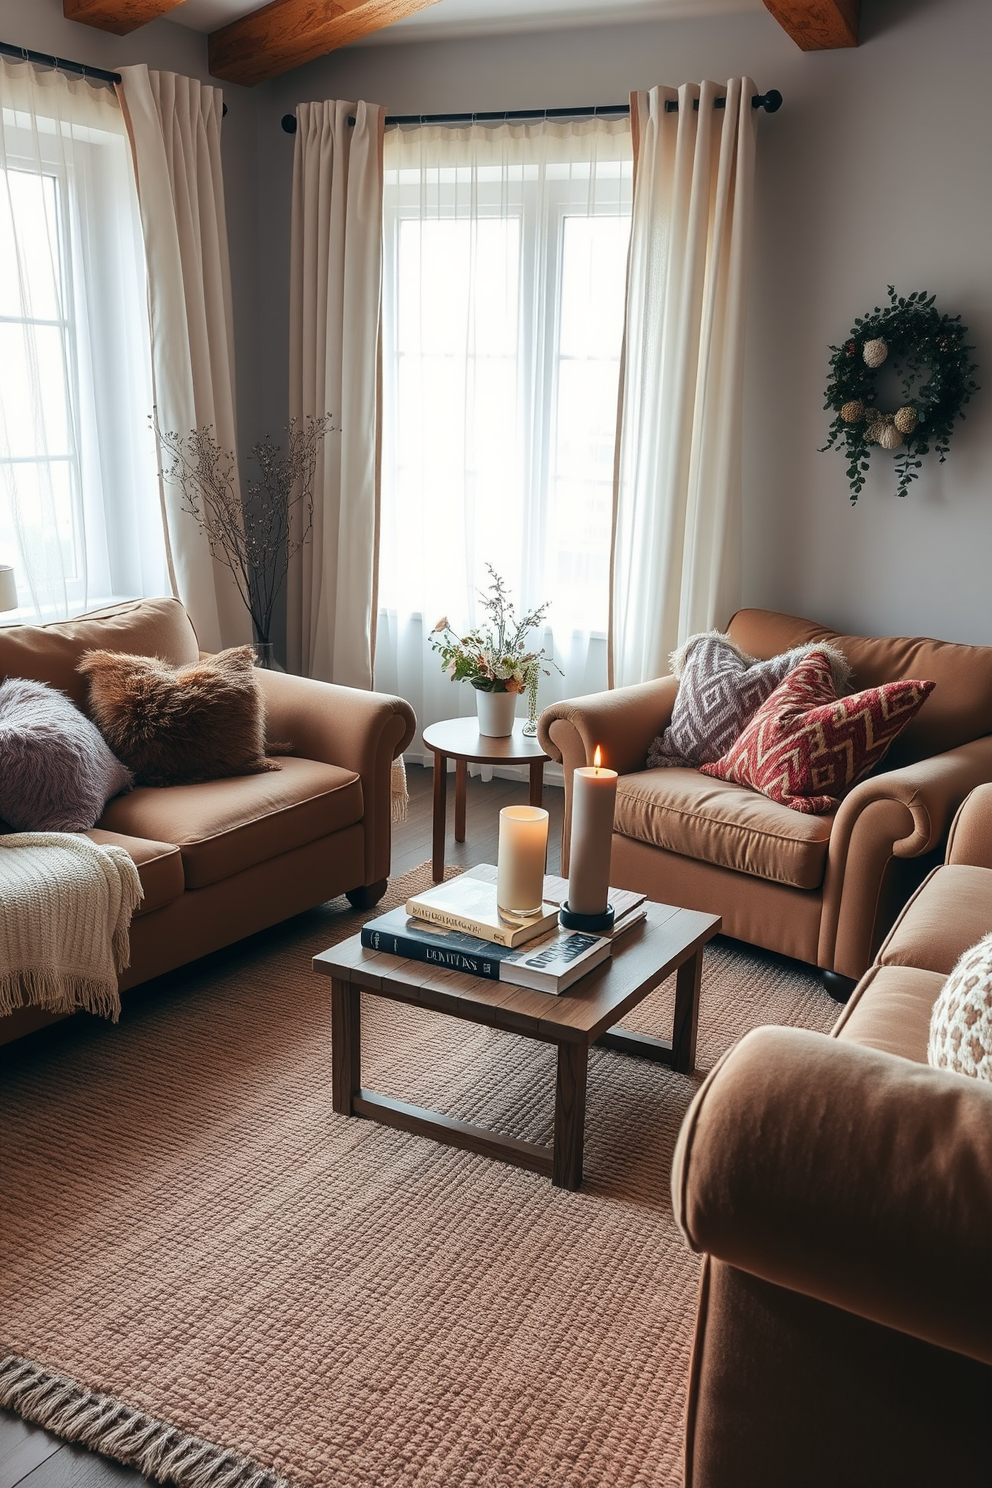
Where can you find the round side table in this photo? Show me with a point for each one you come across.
(459, 739)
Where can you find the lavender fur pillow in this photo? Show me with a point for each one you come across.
(56, 772)
(720, 687)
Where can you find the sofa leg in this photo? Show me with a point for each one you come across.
(367, 896)
(839, 987)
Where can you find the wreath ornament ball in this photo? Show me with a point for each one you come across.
(927, 352)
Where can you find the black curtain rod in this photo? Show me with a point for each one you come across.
(61, 64)
(770, 102)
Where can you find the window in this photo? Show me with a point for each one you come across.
(79, 516)
(505, 263)
(37, 382)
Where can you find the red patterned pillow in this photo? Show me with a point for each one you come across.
(805, 746)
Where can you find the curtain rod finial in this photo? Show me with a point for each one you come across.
(288, 122)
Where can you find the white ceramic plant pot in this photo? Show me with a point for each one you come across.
(495, 710)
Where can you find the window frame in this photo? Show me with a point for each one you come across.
(546, 200)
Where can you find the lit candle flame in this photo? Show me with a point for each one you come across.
(597, 758)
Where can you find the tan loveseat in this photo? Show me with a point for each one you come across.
(220, 860)
(841, 1190)
(824, 889)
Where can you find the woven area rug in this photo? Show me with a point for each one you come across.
(206, 1273)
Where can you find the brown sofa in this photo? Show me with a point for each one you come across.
(220, 860)
(824, 889)
(841, 1191)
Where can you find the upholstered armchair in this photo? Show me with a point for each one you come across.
(823, 889)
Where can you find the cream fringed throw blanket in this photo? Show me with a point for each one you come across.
(65, 912)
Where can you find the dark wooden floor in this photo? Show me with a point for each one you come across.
(31, 1458)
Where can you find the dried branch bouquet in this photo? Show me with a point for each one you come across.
(253, 534)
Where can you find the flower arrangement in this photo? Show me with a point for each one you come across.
(494, 656)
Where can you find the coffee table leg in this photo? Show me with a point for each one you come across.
(461, 787)
(346, 1045)
(536, 782)
(686, 1019)
(440, 813)
(570, 1115)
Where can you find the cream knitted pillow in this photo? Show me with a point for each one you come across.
(961, 1021)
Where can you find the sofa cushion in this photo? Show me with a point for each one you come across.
(159, 865)
(56, 772)
(948, 913)
(725, 824)
(180, 725)
(960, 708)
(805, 746)
(720, 687)
(224, 826)
(961, 1023)
(49, 653)
(891, 1011)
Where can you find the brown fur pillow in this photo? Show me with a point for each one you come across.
(178, 725)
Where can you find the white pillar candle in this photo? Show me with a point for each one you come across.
(594, 794)
(523, 851)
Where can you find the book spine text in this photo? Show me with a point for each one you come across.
(434, 955)
(462, 923)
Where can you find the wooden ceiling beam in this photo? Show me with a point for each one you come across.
(818, 25)
(117, 16)
(287, 33)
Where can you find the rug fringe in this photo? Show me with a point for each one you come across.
(159, 1451)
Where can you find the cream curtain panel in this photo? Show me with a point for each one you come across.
(79, 505)
(174, 123)
(334, 367)
(505, 264)
(676, 559)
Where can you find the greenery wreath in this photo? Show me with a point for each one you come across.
(916, 341)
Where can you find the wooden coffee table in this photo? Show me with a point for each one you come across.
(459, 739)
(668, 940)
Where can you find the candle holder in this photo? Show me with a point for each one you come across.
(592, 924)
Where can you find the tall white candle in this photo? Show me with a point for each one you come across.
(523, 852)
(594, 794)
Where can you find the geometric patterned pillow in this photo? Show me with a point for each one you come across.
(961, 1021)
(805, 747)
(720, 688)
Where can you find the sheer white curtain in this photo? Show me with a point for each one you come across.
(505, 252)
(677, 543)
(335, 297)
(79, 504)
(174, 123)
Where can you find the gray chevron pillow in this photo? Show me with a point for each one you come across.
(720, 686)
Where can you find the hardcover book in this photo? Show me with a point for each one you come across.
(550, 964)
(468, 903)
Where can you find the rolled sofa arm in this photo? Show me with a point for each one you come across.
(970, 841)
(622, 722)
(360, 731)
(848, 1175)
(900, 813)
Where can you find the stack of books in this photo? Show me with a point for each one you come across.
(457, 925)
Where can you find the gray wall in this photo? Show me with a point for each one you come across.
(877, 170)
